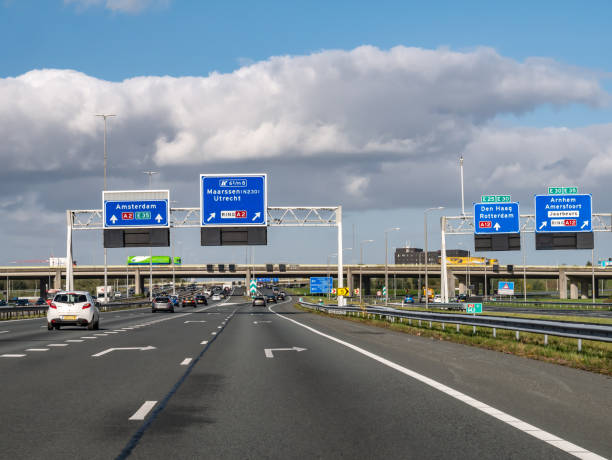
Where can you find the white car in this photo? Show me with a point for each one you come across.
(216, 297)
(437, 298)
(73, 308)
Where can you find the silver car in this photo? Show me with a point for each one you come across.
(162, 303)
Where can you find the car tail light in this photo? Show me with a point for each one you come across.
(87, 305)
(52, 305)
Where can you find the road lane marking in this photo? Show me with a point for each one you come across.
(119, 330)
(141, 413)
(111, 332)
(75, 340)
(199, 321)
(57, 345)
(186, 361)
(37, 349)
(213, 333)
(526, 428)
(12, 356)
(102, 353)
(4, 332)
(204, 342)
(219, 327)
(269, 354)
(87, 337)
(101, 335)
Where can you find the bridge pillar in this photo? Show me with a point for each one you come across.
(451, 280)
(562, 285)
(43, 286)
(349, 280)
(573, 289)
(57, 280)
(138, 282)
(584, 288)
(366, 281)
(247, 280)
(462, 284)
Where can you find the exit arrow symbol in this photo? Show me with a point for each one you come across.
(497, 226)
(113, 219)
(212, 216)
(542, 226)
(268, 351)
(159, 218)
(586, 223)
(261, 322)
(256, 216)
(129, 348)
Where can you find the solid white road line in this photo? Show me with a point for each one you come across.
(57, 345)
(12, 356)
(141, 413)
(550, 438)
(186, 361)
(37, 349)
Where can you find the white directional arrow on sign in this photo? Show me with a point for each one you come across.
(542, 226)
(497, 226)
(117, 349)
(212, 216)
(586, 223)
(113, 219)
(256, 216)
(159, 218)
(268, 351)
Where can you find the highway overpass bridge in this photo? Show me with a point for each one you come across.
(570, 281)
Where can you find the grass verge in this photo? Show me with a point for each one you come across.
(594, 357)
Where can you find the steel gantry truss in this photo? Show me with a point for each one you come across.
(278, 216)
(464, 225)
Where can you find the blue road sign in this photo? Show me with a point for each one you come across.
(135, 213)
(233, 200)
(563, 213)
(267, 280)
(320, 285)
(505, 287)
(496, 218)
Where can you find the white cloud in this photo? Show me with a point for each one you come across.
(124, 6)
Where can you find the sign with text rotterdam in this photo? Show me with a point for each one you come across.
(136, 208)
(492, 218)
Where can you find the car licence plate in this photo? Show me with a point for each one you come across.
(69, 317)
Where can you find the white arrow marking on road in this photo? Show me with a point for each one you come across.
(586, 223)
(127, 348)
(497, 226)
(113, 219)
(268, 351)
(159, 218)
(260, 322)
(542, 226)
(257, 216)
(194, 322)
(212, 215)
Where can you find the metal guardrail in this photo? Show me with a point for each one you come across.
(40, 310)
(569, 329)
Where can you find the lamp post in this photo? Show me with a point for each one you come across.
(392, 229)
(172, 250)
(150, 174)
(105, 116)
(426, 254)
(360, 267)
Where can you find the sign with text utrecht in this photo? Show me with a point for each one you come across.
(135, 208)
(563, 213)
(496, 218)
(232, 201)
(320, 285)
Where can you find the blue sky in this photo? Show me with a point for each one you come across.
(110, 41)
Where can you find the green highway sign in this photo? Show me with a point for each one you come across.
(495, 199)
(562, 190)
(142, 215)
(473, 308)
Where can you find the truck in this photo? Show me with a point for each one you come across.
(100, 293)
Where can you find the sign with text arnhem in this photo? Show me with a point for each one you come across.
(233, 200)
(135, 208)
(563, 213)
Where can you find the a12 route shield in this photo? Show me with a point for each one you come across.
(496, 218)
(563, 213)
(233, 200)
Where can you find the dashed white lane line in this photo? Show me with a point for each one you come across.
(526, 428)
(87, 337)
(186, 361)
(141, 413)
(219, 327)
(119, 330)
(57, 345)
(204, 342)
(12, 356)
(213, 333)
(75, 340)
(37, 349)
(100, 335)
(111, 332)
(128, 328)
(4, 332)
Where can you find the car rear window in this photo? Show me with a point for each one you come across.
(162, 299)
(70, 298)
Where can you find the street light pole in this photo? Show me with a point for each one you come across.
(426, 254)
(392, 229)
(105, 116)
(150, 174)
(360, 267)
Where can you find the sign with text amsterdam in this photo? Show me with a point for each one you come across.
(491, 218)
(563, 213)
(233, 200)
(136, 208)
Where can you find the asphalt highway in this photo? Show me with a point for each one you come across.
(234, 381)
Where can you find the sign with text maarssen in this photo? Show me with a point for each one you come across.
(233, 200)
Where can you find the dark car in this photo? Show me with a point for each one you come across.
(201, 300)
(2, 303)
(280, 296)
(259, 301)
(189, 301)
(40, 301)
(271, 298)
(22, 302)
